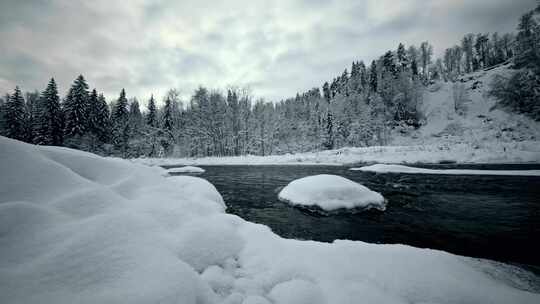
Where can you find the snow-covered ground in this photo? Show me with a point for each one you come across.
(493, 152)
(78, 228)
(186, 169)
(330, 192)
(383, 168)
(477, 121)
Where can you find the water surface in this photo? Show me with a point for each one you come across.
(495, 217)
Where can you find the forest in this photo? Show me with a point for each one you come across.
(360, 107)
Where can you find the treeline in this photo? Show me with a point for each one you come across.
(520, 91)
(360, 107)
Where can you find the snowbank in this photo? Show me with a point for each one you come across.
(382, 168)
(330, 192)
(186, 169)
(488, 152)
(78, 228)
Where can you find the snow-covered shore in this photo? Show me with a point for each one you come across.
(382, 168)
(495, 152)
(78, 228)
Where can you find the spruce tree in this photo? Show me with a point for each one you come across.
(167, 120)
(76, 109)
(167, 124)
(15, 116)
(3, 114)
(373, 76)
(151, 117)
(120, 117)
(329, 136)
(135, 116)
(48, 130)
(102, 120)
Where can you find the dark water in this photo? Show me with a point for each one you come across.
(495, 217)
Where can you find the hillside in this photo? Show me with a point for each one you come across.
(478, 122)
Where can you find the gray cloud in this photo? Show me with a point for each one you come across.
(276, 47)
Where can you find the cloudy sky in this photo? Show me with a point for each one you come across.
(275, 47)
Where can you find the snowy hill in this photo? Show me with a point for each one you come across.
(478, 121)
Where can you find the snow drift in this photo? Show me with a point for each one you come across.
(78, 228)
(330, 192)
(186, 169)
(383, 168)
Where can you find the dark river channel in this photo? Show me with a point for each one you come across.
(494, 217)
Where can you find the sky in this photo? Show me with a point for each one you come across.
(274, 48)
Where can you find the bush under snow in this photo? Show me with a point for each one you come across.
(78, 228)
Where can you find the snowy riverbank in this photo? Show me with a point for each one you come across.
(513, 152)
(78, 228)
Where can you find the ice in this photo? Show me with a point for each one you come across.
(330, 192)
(78, 228)
(186, 169)
(383, 168)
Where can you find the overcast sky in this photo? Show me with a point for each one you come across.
(275, 47)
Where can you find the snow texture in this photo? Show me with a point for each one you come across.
(331, 192)
(383, 168)
(78, 228)
(186, 169)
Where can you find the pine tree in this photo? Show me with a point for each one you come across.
(389, 64)
(373, 76)
(402, 60)
(3, 103)
(76, 109)
(102, 120)
(135, 118)
(120, 118)
(326, 92)
(167, 120)
(49, 117)
(329, 136)
(15, 116)
(167, 124)
(32, 108)
(151, 117)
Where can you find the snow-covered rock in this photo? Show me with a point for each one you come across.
(186, 169)
(330, 192)
(383, 168)
(78, 228)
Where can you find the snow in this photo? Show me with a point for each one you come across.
(78, 228)
(330, 192)
(186, 169)
(486, 152)
(383, 168)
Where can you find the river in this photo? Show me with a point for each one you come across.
(494, 217)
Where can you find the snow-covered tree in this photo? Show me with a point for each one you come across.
(49, 117)
(151, 116)
(76, 112)
(15, 116)
(120, 119)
